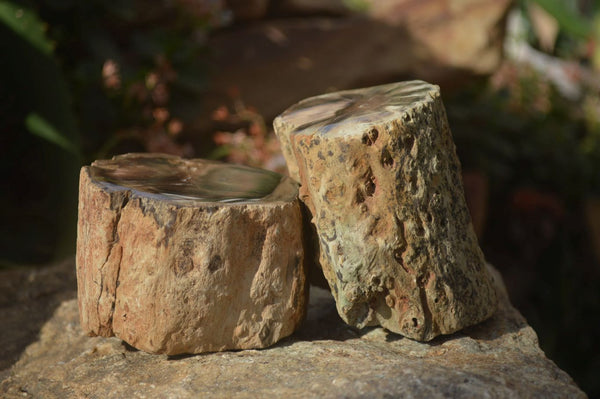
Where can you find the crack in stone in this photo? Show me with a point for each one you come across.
(427, 316)
(114, 240)
(112, 309)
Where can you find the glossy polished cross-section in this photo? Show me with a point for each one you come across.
(343, 112)
(183, 180)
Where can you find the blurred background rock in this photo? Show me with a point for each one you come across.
(204, 78)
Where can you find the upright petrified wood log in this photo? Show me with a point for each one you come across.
(379, 173)
(188, 256)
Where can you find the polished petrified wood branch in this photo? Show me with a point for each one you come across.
(187, 256)
(379, 173)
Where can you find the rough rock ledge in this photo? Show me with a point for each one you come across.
(499, 358)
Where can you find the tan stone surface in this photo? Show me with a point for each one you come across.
(457, 33)
(28, 298)
(499, 358)
(169, 273)
(379, 173)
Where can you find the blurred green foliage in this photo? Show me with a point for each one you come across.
(37, 208)
(27, 25)
(40, 127)
(81, 81)
(568, 16)
(579, 28)
(517, 144)
(127, 62)
(541, 154)
(542, 165)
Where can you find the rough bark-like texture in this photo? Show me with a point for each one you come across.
(499, 358)
(188, 256)
(380, 176)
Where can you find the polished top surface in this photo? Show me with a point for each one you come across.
(346, 112)
(196, 180)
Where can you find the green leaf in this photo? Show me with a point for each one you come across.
(567, 18)
(26, 24)
(357, 5)
(219, 152)
(40, 127)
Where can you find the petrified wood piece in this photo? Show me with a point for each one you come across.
(188, 256)
(379, 173)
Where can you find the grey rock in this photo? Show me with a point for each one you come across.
(380, 176)
(499, 358)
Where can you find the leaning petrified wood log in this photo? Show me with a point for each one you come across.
(379, 173)
(188, 256)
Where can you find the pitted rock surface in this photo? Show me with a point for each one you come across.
(380, 176)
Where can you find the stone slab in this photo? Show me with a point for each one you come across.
(499, 358)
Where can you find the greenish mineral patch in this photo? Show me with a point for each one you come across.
(381, 178)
